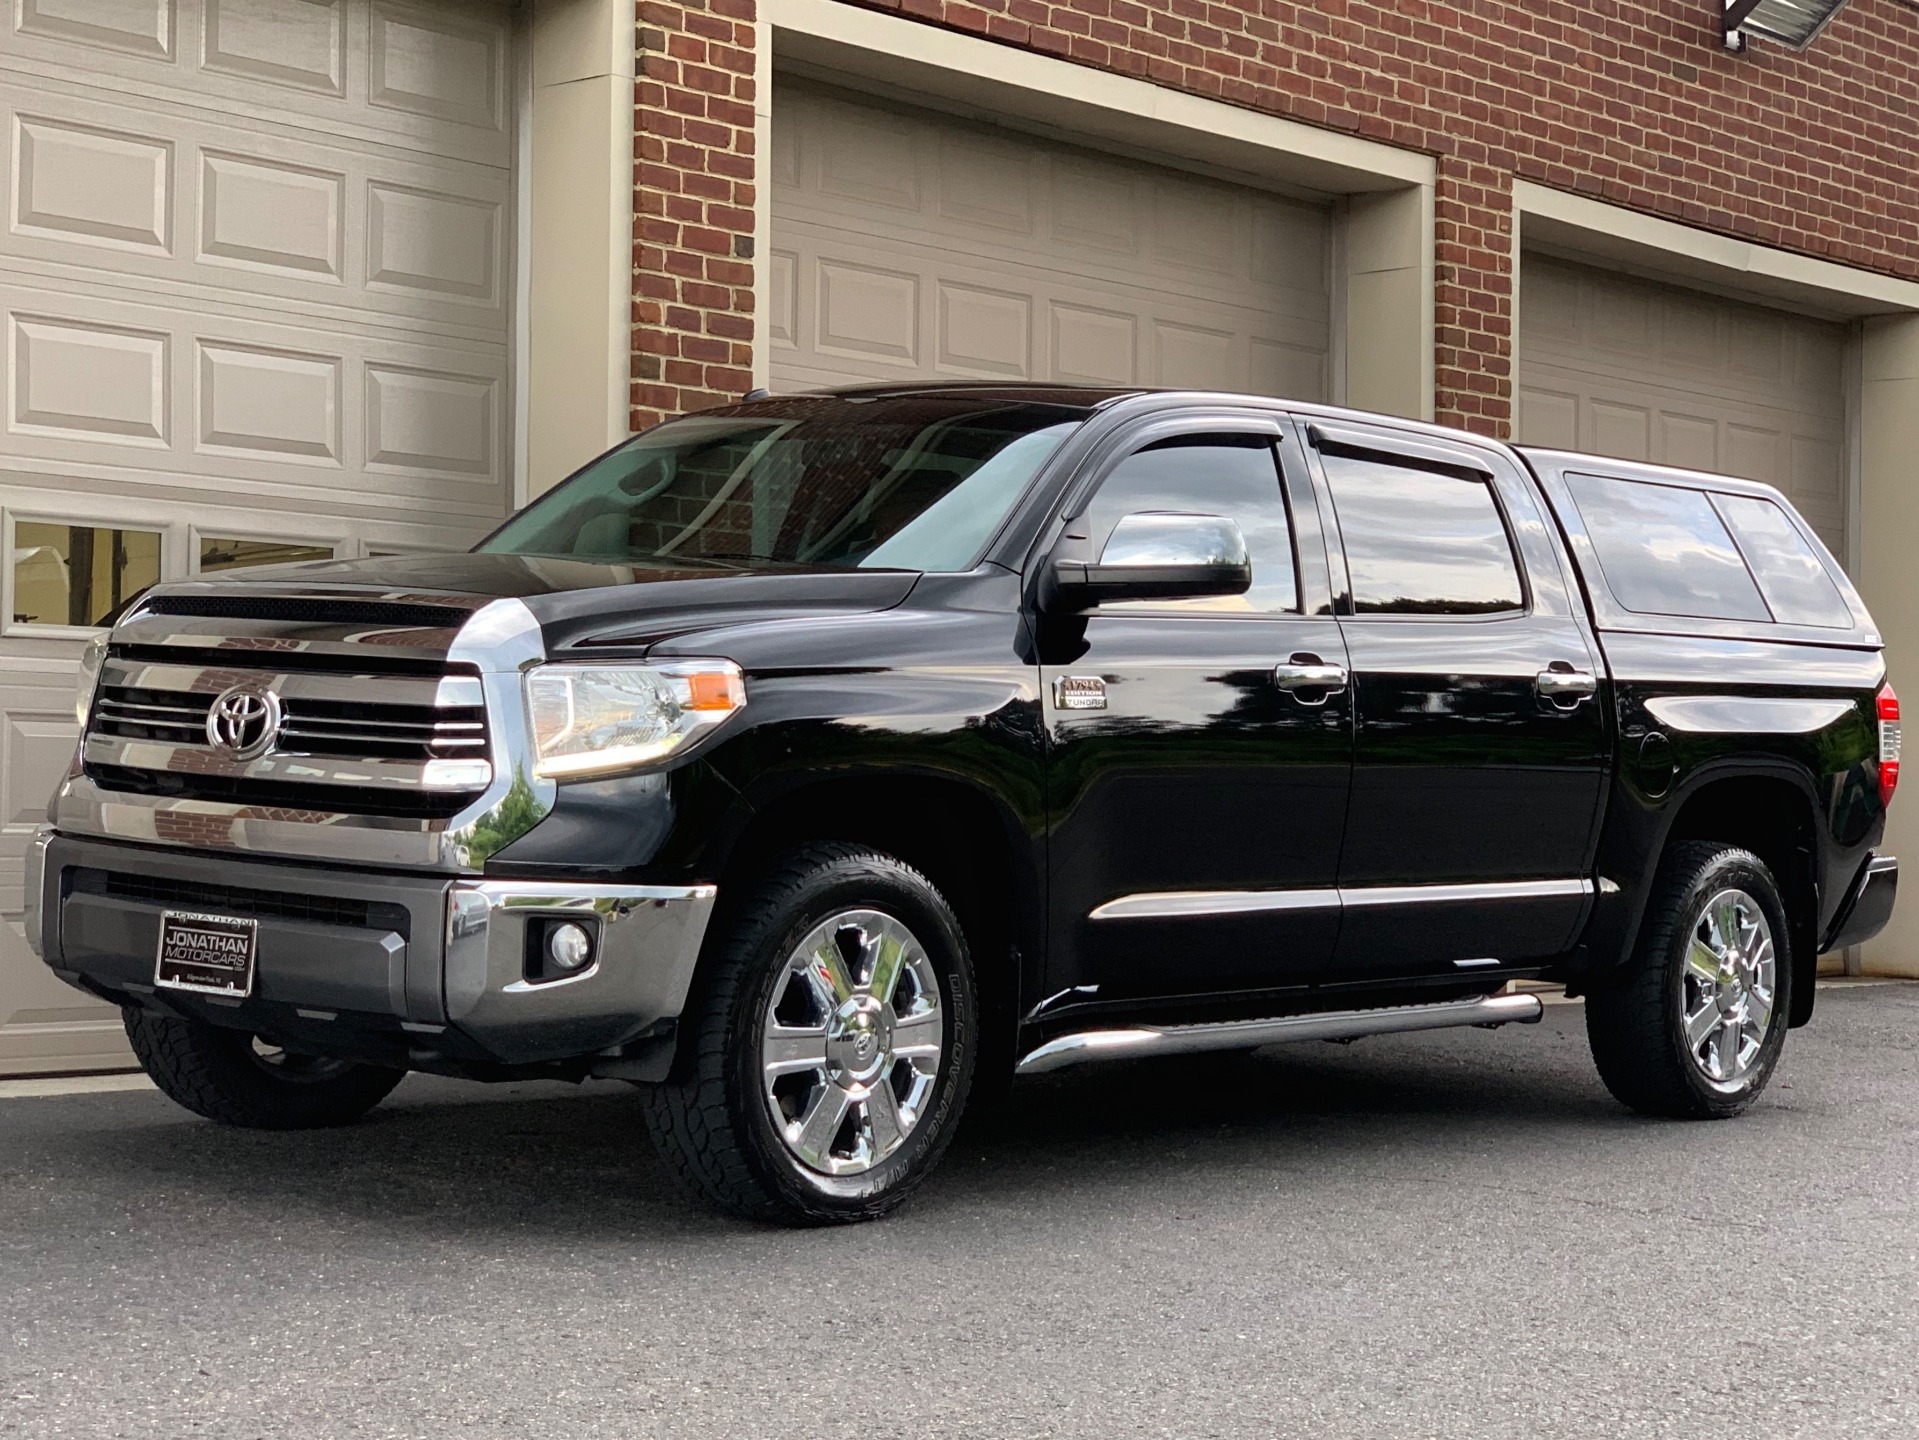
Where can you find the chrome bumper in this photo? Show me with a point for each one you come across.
(36, 885)
(648, 943)
(431, 970)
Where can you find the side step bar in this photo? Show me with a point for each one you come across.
(1088, 1045)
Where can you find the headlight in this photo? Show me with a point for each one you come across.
(588, 719)
(92, 657)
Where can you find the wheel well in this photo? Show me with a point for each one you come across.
(951, 833)
(1773, 819)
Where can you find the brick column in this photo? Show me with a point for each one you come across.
(1473, 296)
(693, 186)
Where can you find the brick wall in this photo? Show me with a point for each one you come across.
(693, 206)
(1633, 102)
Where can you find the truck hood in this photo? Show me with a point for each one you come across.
(577, 602)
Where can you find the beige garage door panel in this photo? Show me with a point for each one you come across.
(255, 284)
(1625, 367)
(210, 400)
(910, 245)
(216, 207)
(428, 74)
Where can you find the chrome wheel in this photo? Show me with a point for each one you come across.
(1727, 988)
(852, 1041)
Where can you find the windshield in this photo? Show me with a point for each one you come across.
(910, 483)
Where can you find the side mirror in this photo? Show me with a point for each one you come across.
(1153, 555)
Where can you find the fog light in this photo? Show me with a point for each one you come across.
(568, 947)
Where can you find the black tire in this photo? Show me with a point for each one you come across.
(223, 1075)
(1637, 1024)
(713, 1124)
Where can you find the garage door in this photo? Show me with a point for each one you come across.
(1624, 367)
(910, 245)
(254, 288)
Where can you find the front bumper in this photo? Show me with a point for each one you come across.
(422, 971)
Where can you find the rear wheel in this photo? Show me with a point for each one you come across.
(1695, 1025)
(834, 1047)
(237, 1079)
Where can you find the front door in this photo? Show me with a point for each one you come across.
(1481, 746)
(1196, 792)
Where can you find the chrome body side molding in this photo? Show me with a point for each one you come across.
(1174, 904)
(1171, 904)
(1746, 714)
(1476, 894)
(1145, 1040)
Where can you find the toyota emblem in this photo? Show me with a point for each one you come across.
(244, 721)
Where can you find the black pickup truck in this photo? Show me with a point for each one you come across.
(815, 761)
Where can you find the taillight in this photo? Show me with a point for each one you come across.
(1888, 743)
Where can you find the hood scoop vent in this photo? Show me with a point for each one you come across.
(310, 610)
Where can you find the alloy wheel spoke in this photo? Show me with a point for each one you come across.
(881, 1113)
(1701, 963)
(1700, 1025)
(883, 975)
(826, 971)
(1725, 925)
(1725, 1049)
(918, 1036)
(788, 1049)
(822, 1122)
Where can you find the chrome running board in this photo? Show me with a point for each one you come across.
(1088, 1045)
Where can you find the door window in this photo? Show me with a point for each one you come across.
(1422, 541)
(1234, 476)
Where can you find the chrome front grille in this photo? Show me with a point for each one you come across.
(406, 732)
(139, 714)
(369, 729)
(404, 743)
(396, 719)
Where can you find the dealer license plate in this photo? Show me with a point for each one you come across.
(212, 954)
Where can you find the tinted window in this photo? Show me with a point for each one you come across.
(1421, 542)
(1791, 575)
(1235, 476)
(1665, 551)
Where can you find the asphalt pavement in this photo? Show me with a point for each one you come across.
(1451, 1234)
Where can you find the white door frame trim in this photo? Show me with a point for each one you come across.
(1554, 221)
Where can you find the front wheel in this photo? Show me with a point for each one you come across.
(834, 1044)
(232, 1077)
(1694, 1026)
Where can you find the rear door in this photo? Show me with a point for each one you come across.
(1480, 745)
(1197, 790)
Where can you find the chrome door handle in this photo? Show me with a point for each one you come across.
(1564, 686)
(1306, 672)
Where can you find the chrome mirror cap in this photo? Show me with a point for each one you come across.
(1151, 538)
